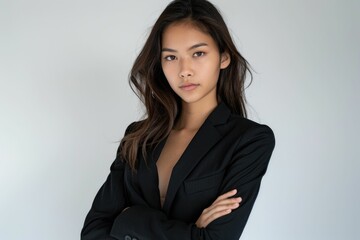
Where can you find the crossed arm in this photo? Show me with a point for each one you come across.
(225, 218)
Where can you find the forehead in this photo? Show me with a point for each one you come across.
(185, 34)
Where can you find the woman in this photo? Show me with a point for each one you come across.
(192, 168)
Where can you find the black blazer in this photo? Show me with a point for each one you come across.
(227, 152)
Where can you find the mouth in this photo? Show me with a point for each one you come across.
(189, 86)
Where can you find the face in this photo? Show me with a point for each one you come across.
(191, 62)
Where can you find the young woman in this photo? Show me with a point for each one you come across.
(192, 168)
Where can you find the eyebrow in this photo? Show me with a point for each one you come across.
(190, 48)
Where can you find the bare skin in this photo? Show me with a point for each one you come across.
(177, 141)
(191, 62)
(174, 147)
(222, 206)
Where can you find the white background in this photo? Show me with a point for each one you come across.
(65, 102)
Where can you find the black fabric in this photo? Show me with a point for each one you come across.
(227, 152)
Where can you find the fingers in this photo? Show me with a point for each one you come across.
(204, 221)
(218, 210)
(222, 206)
(230, 203)
(226, 195)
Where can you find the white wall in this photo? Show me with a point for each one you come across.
(65, 102)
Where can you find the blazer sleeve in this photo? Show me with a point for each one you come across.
(248, 165)
(109, 202)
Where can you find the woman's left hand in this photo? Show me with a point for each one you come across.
(222, 206)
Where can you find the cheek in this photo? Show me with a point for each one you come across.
(209, 67)
(169, 71)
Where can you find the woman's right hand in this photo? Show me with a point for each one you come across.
(223, 205)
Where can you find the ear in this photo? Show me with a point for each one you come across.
(225, 60)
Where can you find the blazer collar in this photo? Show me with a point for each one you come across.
(206, 137)
(220, 114)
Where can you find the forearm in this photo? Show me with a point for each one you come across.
(142, 222)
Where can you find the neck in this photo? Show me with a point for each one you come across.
(193, 115)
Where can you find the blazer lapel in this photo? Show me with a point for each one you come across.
(147, 178)
(206, 137)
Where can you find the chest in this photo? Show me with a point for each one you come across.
(188, 172)
(172, 151)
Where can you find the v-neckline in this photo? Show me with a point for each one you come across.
(206, 136)
(157, 153)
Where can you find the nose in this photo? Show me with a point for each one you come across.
(185, 69)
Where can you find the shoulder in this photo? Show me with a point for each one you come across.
(132, 127)
(246, 124)
(249, 131)
(253, 143)
(238, 130)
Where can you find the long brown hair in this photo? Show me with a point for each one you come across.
(148, 81)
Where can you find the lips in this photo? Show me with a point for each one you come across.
(188, 87)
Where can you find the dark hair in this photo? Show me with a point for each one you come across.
(149, 83)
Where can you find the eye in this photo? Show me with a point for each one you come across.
(199, 54)
(170, 58)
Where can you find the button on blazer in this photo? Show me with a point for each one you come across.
(228, 152)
